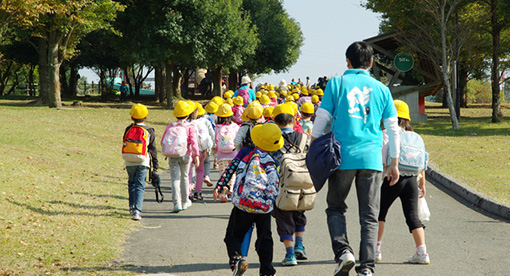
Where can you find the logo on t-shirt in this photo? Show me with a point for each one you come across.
(357, 103)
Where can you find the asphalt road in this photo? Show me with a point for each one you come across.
(460, 240)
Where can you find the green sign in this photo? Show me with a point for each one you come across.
(403, 62)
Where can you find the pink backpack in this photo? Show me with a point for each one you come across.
(226, 136)
(238, 114)
(245, 94)
(175, 141)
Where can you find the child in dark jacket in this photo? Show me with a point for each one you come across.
(254, 167)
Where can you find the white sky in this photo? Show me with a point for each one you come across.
(329, 27)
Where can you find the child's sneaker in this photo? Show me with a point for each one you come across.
(137, 215)
(198, 196)
(365, 272)
(420, 259)
(224, 196)
(378, 256)
(345, 263)
(289, 260)
(240, 266)
(176, 210)
(207, 181)
(215, 166)
(299, 249)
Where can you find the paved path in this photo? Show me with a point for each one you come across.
(460, 240)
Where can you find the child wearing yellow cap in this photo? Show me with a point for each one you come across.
(290, 224)
(225, 133)
(238, 109)
(252, 115)
(180, 144)
(307, 111)
(255, 191)
(138, 151)
(206, 141)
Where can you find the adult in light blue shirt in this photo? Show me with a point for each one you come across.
(356, 103)
(245, 84)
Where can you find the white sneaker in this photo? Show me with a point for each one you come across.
(365, 272)
(378, 256)
(137, 215)
(420, 259)
(187, 205)
(345, 263)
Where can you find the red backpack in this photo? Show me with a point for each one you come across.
(134, 146)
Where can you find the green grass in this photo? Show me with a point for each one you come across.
(64, 193)
(478, 154)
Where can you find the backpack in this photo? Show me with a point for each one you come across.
(175, 141)
(297, 192)
(256, 186)
(245, 94)
(227, 134)
(204, 140)
(413, 157)
(238, 115)
(134, 144)
(247, 141)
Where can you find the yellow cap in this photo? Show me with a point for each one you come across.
(264, 99)
(238, 100)
(230, 102)
(228, 94)
(267, 137)
(307, 107)
(272, 94)
(138, 111)
(304, 91)
(217, 100)
(183, 109)
(201, 110)
(296, 96)
(193, 104)
(294, 107)
(311, 91)
(283, 93)
(224, 110)
(268, 111)
(402, 109)
(315, 99)
(258, 94)
(289, 98)
(283, 108)
(211, 107)
(253, 112)
(319, 92)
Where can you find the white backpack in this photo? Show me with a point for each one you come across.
(204, 139)
(175, 141)
(227, 134)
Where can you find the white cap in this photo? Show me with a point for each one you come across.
(245, 80)
(283, 82)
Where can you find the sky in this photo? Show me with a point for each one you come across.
(329, 27)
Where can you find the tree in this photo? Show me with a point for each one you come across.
(426, 26)
(59, 29)
(280, 38)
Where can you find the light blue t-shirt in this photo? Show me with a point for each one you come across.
(251, 94)
(360, 102)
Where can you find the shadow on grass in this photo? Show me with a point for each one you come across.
(58, 213)
(101, 196)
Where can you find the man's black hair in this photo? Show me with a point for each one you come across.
(360, 54)
(283, 119)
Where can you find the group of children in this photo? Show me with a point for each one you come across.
(231, 130)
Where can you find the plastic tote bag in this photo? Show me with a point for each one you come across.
(423, 209)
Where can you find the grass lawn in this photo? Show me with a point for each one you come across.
(64, 187)
(478, 154)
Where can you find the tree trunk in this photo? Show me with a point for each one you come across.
(216, 79)
(445, 70)
(169, 85)
(102, 84)
(232, 81)
(463, 79)
(73, 80)
(185, 83)
(159, 82)
(497, 115)
(31, 88)
(176, 84)
(54, 71)
(128, 81)
(44, 87)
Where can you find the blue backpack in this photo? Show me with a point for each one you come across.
(413, 157)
